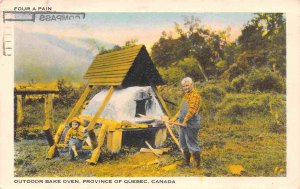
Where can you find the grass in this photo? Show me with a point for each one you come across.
(255, 140)
(257, 150)
(249, 145)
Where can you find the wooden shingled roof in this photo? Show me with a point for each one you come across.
(126, 67)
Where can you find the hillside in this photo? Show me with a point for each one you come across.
(46, 58)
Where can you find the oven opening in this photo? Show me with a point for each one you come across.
(143, 102)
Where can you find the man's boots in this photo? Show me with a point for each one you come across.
(186, 159)
(196, 157)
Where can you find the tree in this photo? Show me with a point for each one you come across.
(259, 55)
(168, 50)
(264, 39)
(191, 40)
(189, 66)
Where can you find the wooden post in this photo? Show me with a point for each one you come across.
(90, 127)
(100, 140)
(114, 141)
(48, 112)
(20, 106)
(161, 101)
(52, 150)
(48, 127)
(160, 137)
(49, 136)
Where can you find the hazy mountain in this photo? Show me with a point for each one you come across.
(43, 57)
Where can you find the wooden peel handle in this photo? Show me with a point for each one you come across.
(163, 120)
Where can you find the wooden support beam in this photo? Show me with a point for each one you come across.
(147, 150)
(49, 136)
(160, 137)
(52, 152)
(113, 125)
(100, 140)
(20, 106)
(114, 141)
(93, 139)
(48, 127)
(100, 110)
(161, 101)
(173, 136)
(163, 104)
(74, 111)
(170, 122)
(48, 112)
(90, 127)
(159, 151)
(118, 125)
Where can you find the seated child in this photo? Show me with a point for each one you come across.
(75, 137)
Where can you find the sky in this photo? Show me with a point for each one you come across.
(117, 28)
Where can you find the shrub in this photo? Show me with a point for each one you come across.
(238, 83)
(211, 95)
(264, 79)
(238, 107)
(68, 94)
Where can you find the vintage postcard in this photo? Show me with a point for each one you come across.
(168, 94)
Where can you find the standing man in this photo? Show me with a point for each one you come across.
(188, 116)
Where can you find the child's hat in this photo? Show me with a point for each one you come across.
(77, 119)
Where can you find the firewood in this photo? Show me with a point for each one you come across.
(150, 147)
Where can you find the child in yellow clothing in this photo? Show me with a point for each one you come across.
(75, 137)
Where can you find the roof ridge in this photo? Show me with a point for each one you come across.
(123, 50)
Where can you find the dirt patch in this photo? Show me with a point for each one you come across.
(32, 162)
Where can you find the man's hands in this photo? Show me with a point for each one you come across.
(173, 119)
